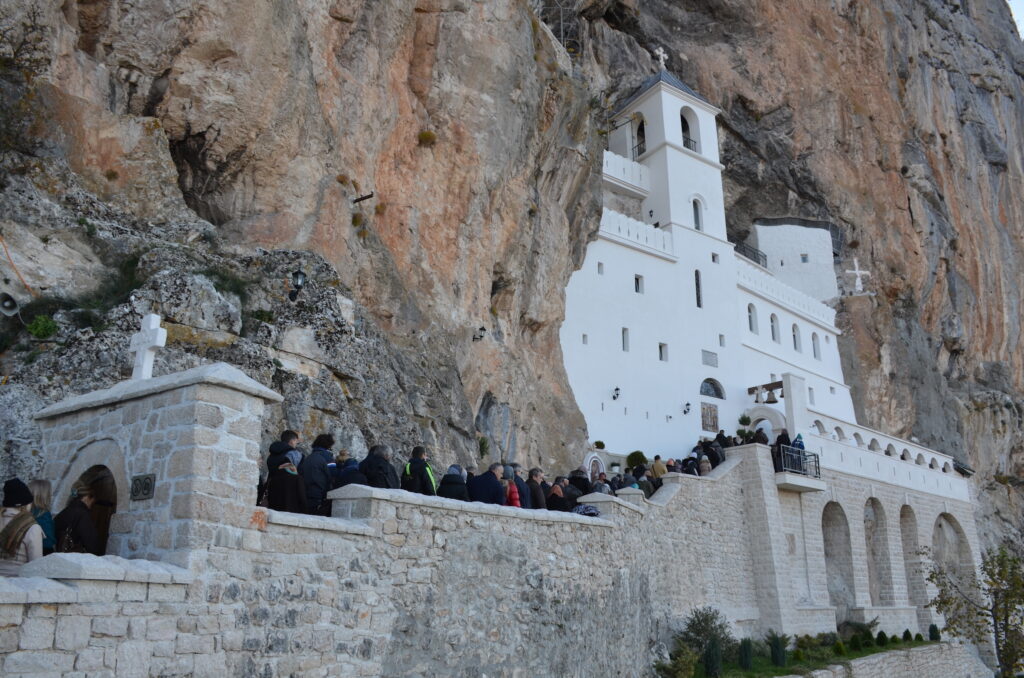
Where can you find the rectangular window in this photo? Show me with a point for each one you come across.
(663, 352)
(714, 258)
(810, 395)
(625, 338)
(832, 390)
(708, 358)
(721, 340)
(600, 268)
(584, 340)
(709, 417)
(638, 284)
(804, 258)
(696, 284)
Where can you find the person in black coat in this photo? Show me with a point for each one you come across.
(453, 484)
(761, 437)
(73, 526)
(316, 475)
(351, 475)
(487, 487)
(525, 499)
(285, 489)
(378, 469)
(580, 481)
(417, 476)
(536, 489)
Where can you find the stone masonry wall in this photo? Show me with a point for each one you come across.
(946, 660)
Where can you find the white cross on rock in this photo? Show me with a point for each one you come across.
(144, 344)
(858, 284)
(662, 58)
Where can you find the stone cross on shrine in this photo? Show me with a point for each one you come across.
(858, 284)
(144, 344)
(662, 58)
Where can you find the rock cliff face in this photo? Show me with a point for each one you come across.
(184, 157)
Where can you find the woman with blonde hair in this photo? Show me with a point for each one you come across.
(74, 528)
(42, 498)
(21, 538)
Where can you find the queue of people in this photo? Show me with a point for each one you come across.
(28, 530)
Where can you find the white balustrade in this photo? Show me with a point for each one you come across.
(619, 227)
(625, 171)
(757, 279)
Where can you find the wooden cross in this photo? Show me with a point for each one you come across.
(858, 285)
(144, 344)
(662, 58)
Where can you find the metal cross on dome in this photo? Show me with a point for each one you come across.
(662, 58)
(144, 344)
(858, 284)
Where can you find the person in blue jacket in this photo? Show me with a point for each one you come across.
(487, 487)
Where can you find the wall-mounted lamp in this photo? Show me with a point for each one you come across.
(616, 393)
(650, 213)
(298, 282)
(686, 408)
(9, 306)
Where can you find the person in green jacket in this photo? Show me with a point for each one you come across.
(417, 476)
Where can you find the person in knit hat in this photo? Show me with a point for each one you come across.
(21, 538)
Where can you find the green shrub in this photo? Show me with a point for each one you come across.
(426, 138)
(881, 639)
(918, 638)
(703, 624)
(599, 444)
(635, 458)
(907, 636)
(867, 640)
(856, 644)
(744, 420)
(838, 649)
(682, 662)
(357, 219)
(777, 644)
(827, 639)
(262, 315)
(933, 633)
(805, 642)
(712, 658)
(484, 445)
(746, 656)
(798, 655)
(42, 326)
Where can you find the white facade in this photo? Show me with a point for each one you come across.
(667, 326)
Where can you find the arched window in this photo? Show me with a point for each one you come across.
(797, 346)
(712, 389)
(815, 345)
(641, 139)
(690, 129)
(752, 318)
(696, 282)
(775, 328)
(696, 215)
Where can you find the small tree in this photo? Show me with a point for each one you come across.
(703, 624)
(777, 644)
(907, 636)
(636, 458)
(713, 657)
(933, 633)
(992, 607)
(746, 658)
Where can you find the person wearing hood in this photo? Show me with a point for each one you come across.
(580, 481)
(286, 491)
(798, 442)
(453, 484)
(76, 533)
(316, 475)
(21, 538)
(350, 474)
(378, 469)
(704, 466)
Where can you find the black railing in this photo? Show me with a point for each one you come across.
(752, 253)
(690, 144)
(639, 149)
(795, 460)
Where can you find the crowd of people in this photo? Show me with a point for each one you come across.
(299, 483)
(28, 530)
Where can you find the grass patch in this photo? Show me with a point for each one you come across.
(42, 327)
(227, 282)
(813, 659)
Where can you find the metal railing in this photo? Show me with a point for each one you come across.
(795, 460)
(690, 144)
(752, 253)
(639, 149)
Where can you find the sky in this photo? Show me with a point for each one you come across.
(1017, 7)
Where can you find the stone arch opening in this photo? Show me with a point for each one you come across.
(950, 548)
(712, 389)
(840, 434)
(752, 318)
(917, 593)
(920, 459)
(890, 451)
(819, 427)
(838, 560)
(905, 455)
(594, 465)
(104, 491)
(879, 567)
(859, 439)
(766, 419)
(639, 135)
(690, 127)
(946, 468)
(875, 446)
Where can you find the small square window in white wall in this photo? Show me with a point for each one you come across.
(663, 352)
(638, 284)
(714, 258)
(625, 338)
(832, 390)
(804, 258)
(584, 339)
(721, 340)
(600, 268)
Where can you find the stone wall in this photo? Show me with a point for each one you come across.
(947, 660)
